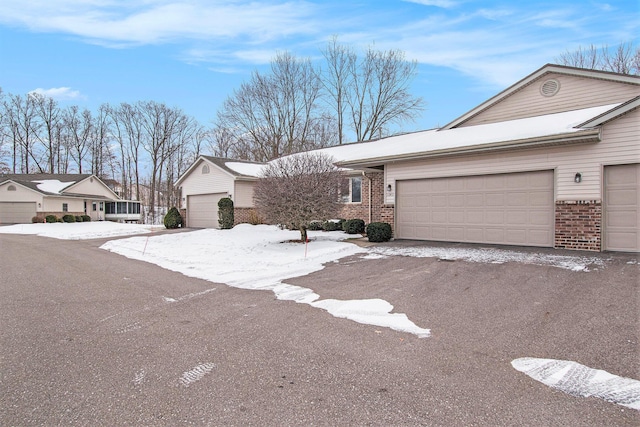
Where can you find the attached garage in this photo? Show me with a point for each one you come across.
(622, 208)
(202, 210)
(17, 212)
(510, 209)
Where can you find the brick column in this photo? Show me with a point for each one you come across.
(579, 225)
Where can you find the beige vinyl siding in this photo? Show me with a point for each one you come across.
(243, 196)
(216, 181)
(21, 194)
(575, 93)
(54, 204)
(91, 186)
(618, 146)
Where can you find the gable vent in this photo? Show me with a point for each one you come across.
(550, 87)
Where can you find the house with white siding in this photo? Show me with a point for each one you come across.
(551, 161)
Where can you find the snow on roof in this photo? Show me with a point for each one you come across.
(438, 140)
(52, 185)
(249, 169)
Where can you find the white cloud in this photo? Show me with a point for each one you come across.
(59, 93)
(437, 3)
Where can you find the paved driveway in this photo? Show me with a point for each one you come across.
(88, 337)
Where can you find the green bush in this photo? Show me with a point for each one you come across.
(69, 218)
(379, 232)
(225, 213)
(315, 226)
(79, 218)
(331, 226)
(86, 218)
(173, 219)
(51, 218)
(353, 226)
(34, 219)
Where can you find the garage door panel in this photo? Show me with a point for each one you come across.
(622, 208)
(503, 209)
(202, 210)
(17, 212)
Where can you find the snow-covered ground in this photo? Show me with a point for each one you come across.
(260, 258)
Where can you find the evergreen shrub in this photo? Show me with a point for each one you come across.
(331, 226)
(315, 226)
(86, 218)
(69, 218)
(353, 226)
(79, 218)
(173, 219)
(225, 213)
(379, 232)
(51, 219)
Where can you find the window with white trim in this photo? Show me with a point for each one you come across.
(65, 207)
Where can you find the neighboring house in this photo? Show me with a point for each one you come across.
(210, 179)
(552, 161)
(27, 196)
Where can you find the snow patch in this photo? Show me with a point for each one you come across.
(52, 185)
(196, 374)
(495, 256)
(80, 230)
(581, 381)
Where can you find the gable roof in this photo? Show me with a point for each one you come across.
(238, 169)
(577, 126)
(546, 69)
(54, 184)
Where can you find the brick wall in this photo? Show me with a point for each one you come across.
(246, 216)
(578, 225)
(375, 205)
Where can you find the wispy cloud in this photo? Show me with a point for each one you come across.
(436, 3)
(59, 93)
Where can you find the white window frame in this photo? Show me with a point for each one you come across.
(349, 198)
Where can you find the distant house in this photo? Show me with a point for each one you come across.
(552, 161)
(210, 179)
(25, 197)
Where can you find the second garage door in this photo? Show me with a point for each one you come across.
(510, 209)
(622, 208)
(202, 210)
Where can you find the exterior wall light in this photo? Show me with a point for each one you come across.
(578, 178)
(389, 188)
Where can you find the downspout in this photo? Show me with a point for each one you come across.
(370, 192)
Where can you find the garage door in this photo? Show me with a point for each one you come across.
(510, 209)
(17, 212)
(622, 208)
(202, 210)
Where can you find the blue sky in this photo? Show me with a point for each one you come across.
(192, 54)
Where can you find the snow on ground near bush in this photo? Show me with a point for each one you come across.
(492, 256)
(80, 230)
(261, 257)
(581, 381)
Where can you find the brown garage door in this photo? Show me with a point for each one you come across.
(622, 208)
(511, 209)
(202, 210)
(17, 212)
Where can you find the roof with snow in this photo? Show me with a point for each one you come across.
(45, 183)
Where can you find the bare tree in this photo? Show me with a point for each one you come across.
(373, 92)
(623, 59)
(337, 79)
(295, 190)
(78, 127)
(273, 112)
(23, 128)
(50, 117)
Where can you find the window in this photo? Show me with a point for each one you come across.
(101, 206)
(95, 206)
(351, 190)
(205, 169)
(65, 207)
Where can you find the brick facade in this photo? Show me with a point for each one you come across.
(578, 225)
(369, 210)
(246, 216)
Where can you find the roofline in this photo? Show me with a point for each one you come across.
(612, 114)
(25, 187)
(89, 177)
(235, 176)
(584, 136)
(546, 69)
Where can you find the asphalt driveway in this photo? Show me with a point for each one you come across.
(88, 337)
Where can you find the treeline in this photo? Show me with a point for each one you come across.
(143, 146)
(296, 105)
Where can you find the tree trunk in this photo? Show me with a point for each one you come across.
(303, 234)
